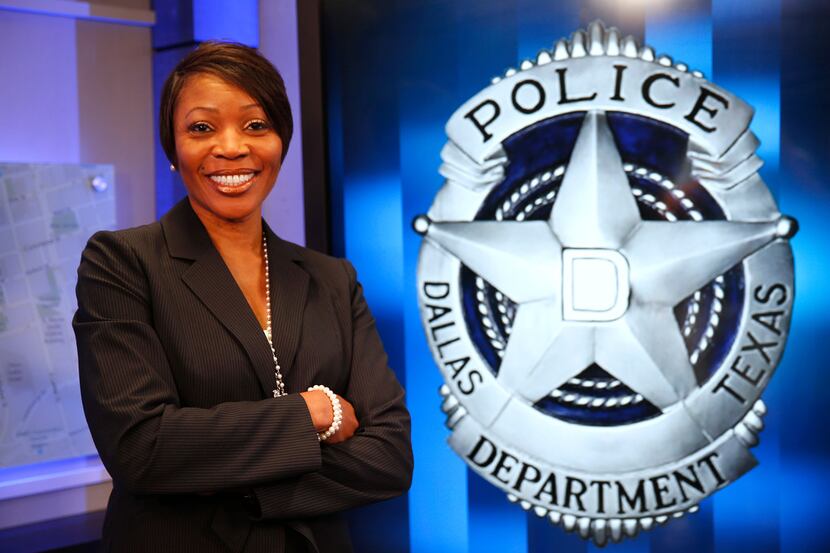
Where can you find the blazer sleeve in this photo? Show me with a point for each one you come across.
(149, 443)
(376, 463)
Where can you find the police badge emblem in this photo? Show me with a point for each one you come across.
(606, 285)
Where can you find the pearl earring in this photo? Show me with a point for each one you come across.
(172, 168)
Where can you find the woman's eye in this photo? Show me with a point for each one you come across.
(258, 125)
(199, 127)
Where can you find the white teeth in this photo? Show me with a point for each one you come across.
(231, 180)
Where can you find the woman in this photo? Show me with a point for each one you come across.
(234, 384)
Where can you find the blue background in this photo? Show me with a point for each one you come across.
(395, 71)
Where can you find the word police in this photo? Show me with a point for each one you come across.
(659, 90)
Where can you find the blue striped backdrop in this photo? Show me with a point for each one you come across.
(396, 70)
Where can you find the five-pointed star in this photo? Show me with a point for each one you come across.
(595, 210)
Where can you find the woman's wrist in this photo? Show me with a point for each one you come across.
(319, 409)
(336, 412)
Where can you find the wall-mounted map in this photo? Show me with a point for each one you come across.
(47, 214)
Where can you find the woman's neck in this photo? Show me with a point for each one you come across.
(239, 242)
(232, 237)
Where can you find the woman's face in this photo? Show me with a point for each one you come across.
(228, 153)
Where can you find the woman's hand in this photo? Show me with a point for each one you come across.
(319, 407)
(322, 414)
(348, 425)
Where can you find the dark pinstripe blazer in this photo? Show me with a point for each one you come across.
(177, 379)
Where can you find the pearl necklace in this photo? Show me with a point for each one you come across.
(280, 389)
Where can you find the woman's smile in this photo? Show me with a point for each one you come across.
(233, 183)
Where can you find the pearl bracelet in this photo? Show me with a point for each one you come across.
(337, 411)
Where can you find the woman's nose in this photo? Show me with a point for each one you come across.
(230, 144)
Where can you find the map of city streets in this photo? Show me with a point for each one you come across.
(47, 213)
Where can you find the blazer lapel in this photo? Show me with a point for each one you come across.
(289, 290)
(212, 283)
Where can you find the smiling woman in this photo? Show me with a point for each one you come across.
(234, 384)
